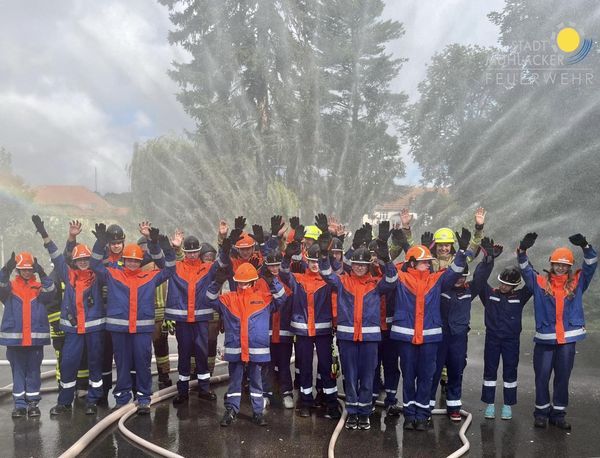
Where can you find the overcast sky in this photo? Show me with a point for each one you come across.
(81, 81)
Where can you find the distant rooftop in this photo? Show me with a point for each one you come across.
(78, 200)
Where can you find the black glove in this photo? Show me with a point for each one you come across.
(239, 223)
(258, 234)
(234, 236)
(384, 231)
(276, 224)
(10, 264)
(398, 237)
(498, 249)
(299, 233)
(408, 263)
(358, 239)
(321, 222)
(487, 245)
(38, 269)
(39, 226)
(293, 249)
(578, 240)
(324, 242)
(527, 241)
(463, 238)
(427, 239)
(164, 243)
(268, 276)
(154, 234)
(294, 222)
(100, 233)
(367, 233)
(383, 252)
(221, 275)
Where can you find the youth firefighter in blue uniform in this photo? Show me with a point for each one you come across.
(188, 306)
(358, 321)
(559, 324)
(130, 311)
(416, 326)
(82, 320)
(25, 329)
(503, 314)
(246, 314)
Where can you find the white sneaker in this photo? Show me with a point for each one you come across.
(288, 402)
(81, 393)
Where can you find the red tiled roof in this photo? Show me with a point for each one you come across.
(405, 200)
(74, 199)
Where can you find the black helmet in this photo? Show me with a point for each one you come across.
(273, 258)
(191, 244)
(465, 272)
(510, 276)
(373, 246)
(361, 255)
(313, 253)
(115, 233)
(207, 248)
(336, 245)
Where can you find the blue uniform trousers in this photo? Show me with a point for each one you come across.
(75, 345)
(133, 352)
(234, 391)
(417, 363)
(452, 353)
(547, 359)
(192, 340)
(495, 347)
(25, 364)
(278, 370)
(359, 360)
(305, 346)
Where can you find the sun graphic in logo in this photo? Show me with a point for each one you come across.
(569, 41)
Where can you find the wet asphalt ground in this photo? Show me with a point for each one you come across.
(193, 430)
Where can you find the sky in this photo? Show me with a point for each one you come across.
(82, 81)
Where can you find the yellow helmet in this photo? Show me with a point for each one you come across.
(444, 235)
(312, 232)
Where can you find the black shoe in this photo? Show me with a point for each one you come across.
(180, 399)
(164, 381)
(59, 409)
(393, 410)
(91, 409)
(363, 422)
(352, 421)
(561, 423)
(259, 419)
(408, 424)
(33, 410)
(421, 425)
(304, 412)
(228, 417)
(143, 409)
(333, 412)
(207, 395)
(540, 422)
(19, 412)
(102, 402)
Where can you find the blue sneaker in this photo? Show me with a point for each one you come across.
(490, 411)
(506, 412)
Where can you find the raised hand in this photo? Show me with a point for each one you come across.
(487, 245)
(405, 218)
(276, 225)
(177, 239)
(463, 238)
(239, 223)
(223, 228)
(384, 231)
(10, 264)
(39, 226)
(480, 217)
(427, 239)
(294, 222)
(145, 227)
(100, 233)
(153, 234)
(527, 241)
(321, 222)
(578, 240)
(74, 228)
(258, 234)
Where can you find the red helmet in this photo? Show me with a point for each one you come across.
(81, 251)
(133, 251)
(562, 256)
(245, 241)
(24, 260)
(420, 253)
(245, 273)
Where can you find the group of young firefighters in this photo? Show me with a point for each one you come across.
(293, 291)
